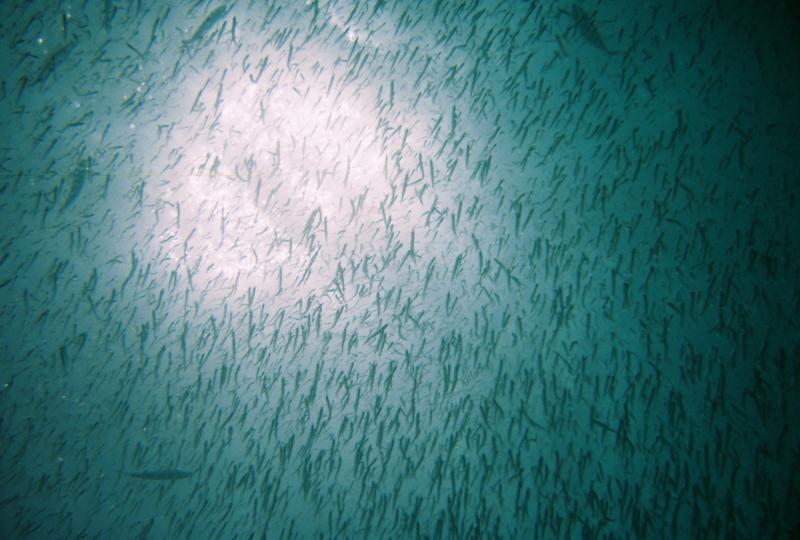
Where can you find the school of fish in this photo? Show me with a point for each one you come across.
(393, 269)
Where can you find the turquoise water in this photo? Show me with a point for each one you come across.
(394, 270)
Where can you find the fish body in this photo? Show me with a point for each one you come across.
(52, 60)
(210, 21)
(585, 25)
(168, 474)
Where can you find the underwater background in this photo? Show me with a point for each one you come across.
(386, 269)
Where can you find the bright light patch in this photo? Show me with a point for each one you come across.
(267, 183)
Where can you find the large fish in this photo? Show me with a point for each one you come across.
(587, 28)
(168, 474)
(210, 21)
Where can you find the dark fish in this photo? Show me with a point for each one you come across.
(52, 60)
(109, 10)
(587, 28)
(8, 500)
(169, 474)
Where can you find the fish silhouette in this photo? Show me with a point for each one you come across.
(585, 25)
(168, 474)
(77, 180)
(210, 21)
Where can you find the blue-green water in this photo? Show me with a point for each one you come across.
(395, 270)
